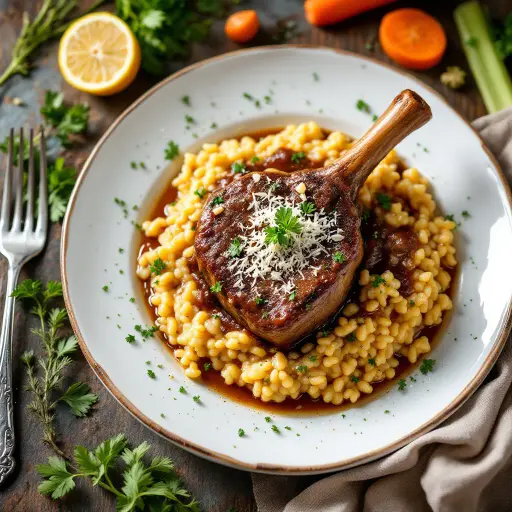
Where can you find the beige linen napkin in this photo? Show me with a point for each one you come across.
(464, 465)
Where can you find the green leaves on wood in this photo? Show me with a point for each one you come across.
(153, 486)
(55, 357)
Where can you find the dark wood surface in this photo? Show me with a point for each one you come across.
(218, 488)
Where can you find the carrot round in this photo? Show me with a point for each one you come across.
(328, 12)
(412, 38)
(242, 26)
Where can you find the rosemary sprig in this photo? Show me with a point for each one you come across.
(57, 350)
(50, 22)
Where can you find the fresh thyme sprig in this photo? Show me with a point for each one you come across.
(57, 350)
(50, 22)
(146, 487)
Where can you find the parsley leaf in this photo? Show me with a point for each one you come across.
(293, 295)
(362, 106)
(59, 481)
(307, 207)
(297, 157)
(157, 267)
(377, 281)
(427, 365)
(217, 287)
(78, 397)
(402, 385)
(238, 168)
(217, 200)
(200, 192)
(384, 200)
(339, 257)
(260, 301)
(235, 248)
(286, 223)
(171, 151)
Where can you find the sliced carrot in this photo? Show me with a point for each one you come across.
(412, 38)
(242, 26)
(328, 12)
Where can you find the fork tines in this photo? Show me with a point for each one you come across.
(11, 218)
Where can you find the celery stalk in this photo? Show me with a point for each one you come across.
(488, 69)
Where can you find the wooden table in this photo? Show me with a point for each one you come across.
(218, 488)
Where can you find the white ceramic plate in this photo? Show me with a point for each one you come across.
(455, 160)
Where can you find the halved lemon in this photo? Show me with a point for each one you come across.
(99, 54)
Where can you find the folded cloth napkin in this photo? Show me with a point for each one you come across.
(464, 465)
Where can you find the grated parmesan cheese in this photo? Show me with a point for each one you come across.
(259, 260)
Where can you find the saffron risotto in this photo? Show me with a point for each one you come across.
(371, 333)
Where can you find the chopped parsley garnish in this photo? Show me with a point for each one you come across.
(196, 399)
(238, 168)
(260, 301)
(362, 106)
(266, 314)
(130, 338)
(105, 288)
(151, 374)
(375, 117)
(412, 379)
(217, 287)
(293, 295)
(171, 151)
(267, 99)
(316, 77)
(427, 365)
(297, 157)
(466, 214)
(157, 267)
(241, 432)
(207, 366)
(186, 100)
(372, 361)
(402, 384)
(288, 428)
(142, 165)
(273, 186)
(215, 315)
(378, 281)
(255, 159)
(449, 217)
(121, 250)
(213, 126)
(339, 257)
(133, 164)
(161, 366)
(313, 359)
(235, 248)
(365, 215)
(268, 419)
(326, 331)
(412, 303)
(354, 379)
(148, 362)
(146, 333)
(286, 223)
(248, 96)
(275, 429)
(182, 390)
(123, 206)
(387, 411)
(302, 368)
(384, 200)
(189, 119)
(200, 192)
(351, 337)
(307, 207)
(217, 200)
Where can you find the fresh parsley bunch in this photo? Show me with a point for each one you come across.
(165, 29)
(55, 357)
(286, 224)
(154, 486)
(62, 122)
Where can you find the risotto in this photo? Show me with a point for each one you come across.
(394, 297)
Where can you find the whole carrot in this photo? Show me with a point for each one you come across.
(327, 12)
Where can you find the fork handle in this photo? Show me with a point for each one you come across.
(7, 462)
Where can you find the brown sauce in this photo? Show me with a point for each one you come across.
(386, 248)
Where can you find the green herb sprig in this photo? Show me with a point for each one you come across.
(153, 486)
(57, 349)
(286, 224)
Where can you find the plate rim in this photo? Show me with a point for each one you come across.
(207, 453)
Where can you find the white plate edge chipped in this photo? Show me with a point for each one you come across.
(306, 83)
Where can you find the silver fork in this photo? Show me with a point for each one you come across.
(20, 241)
